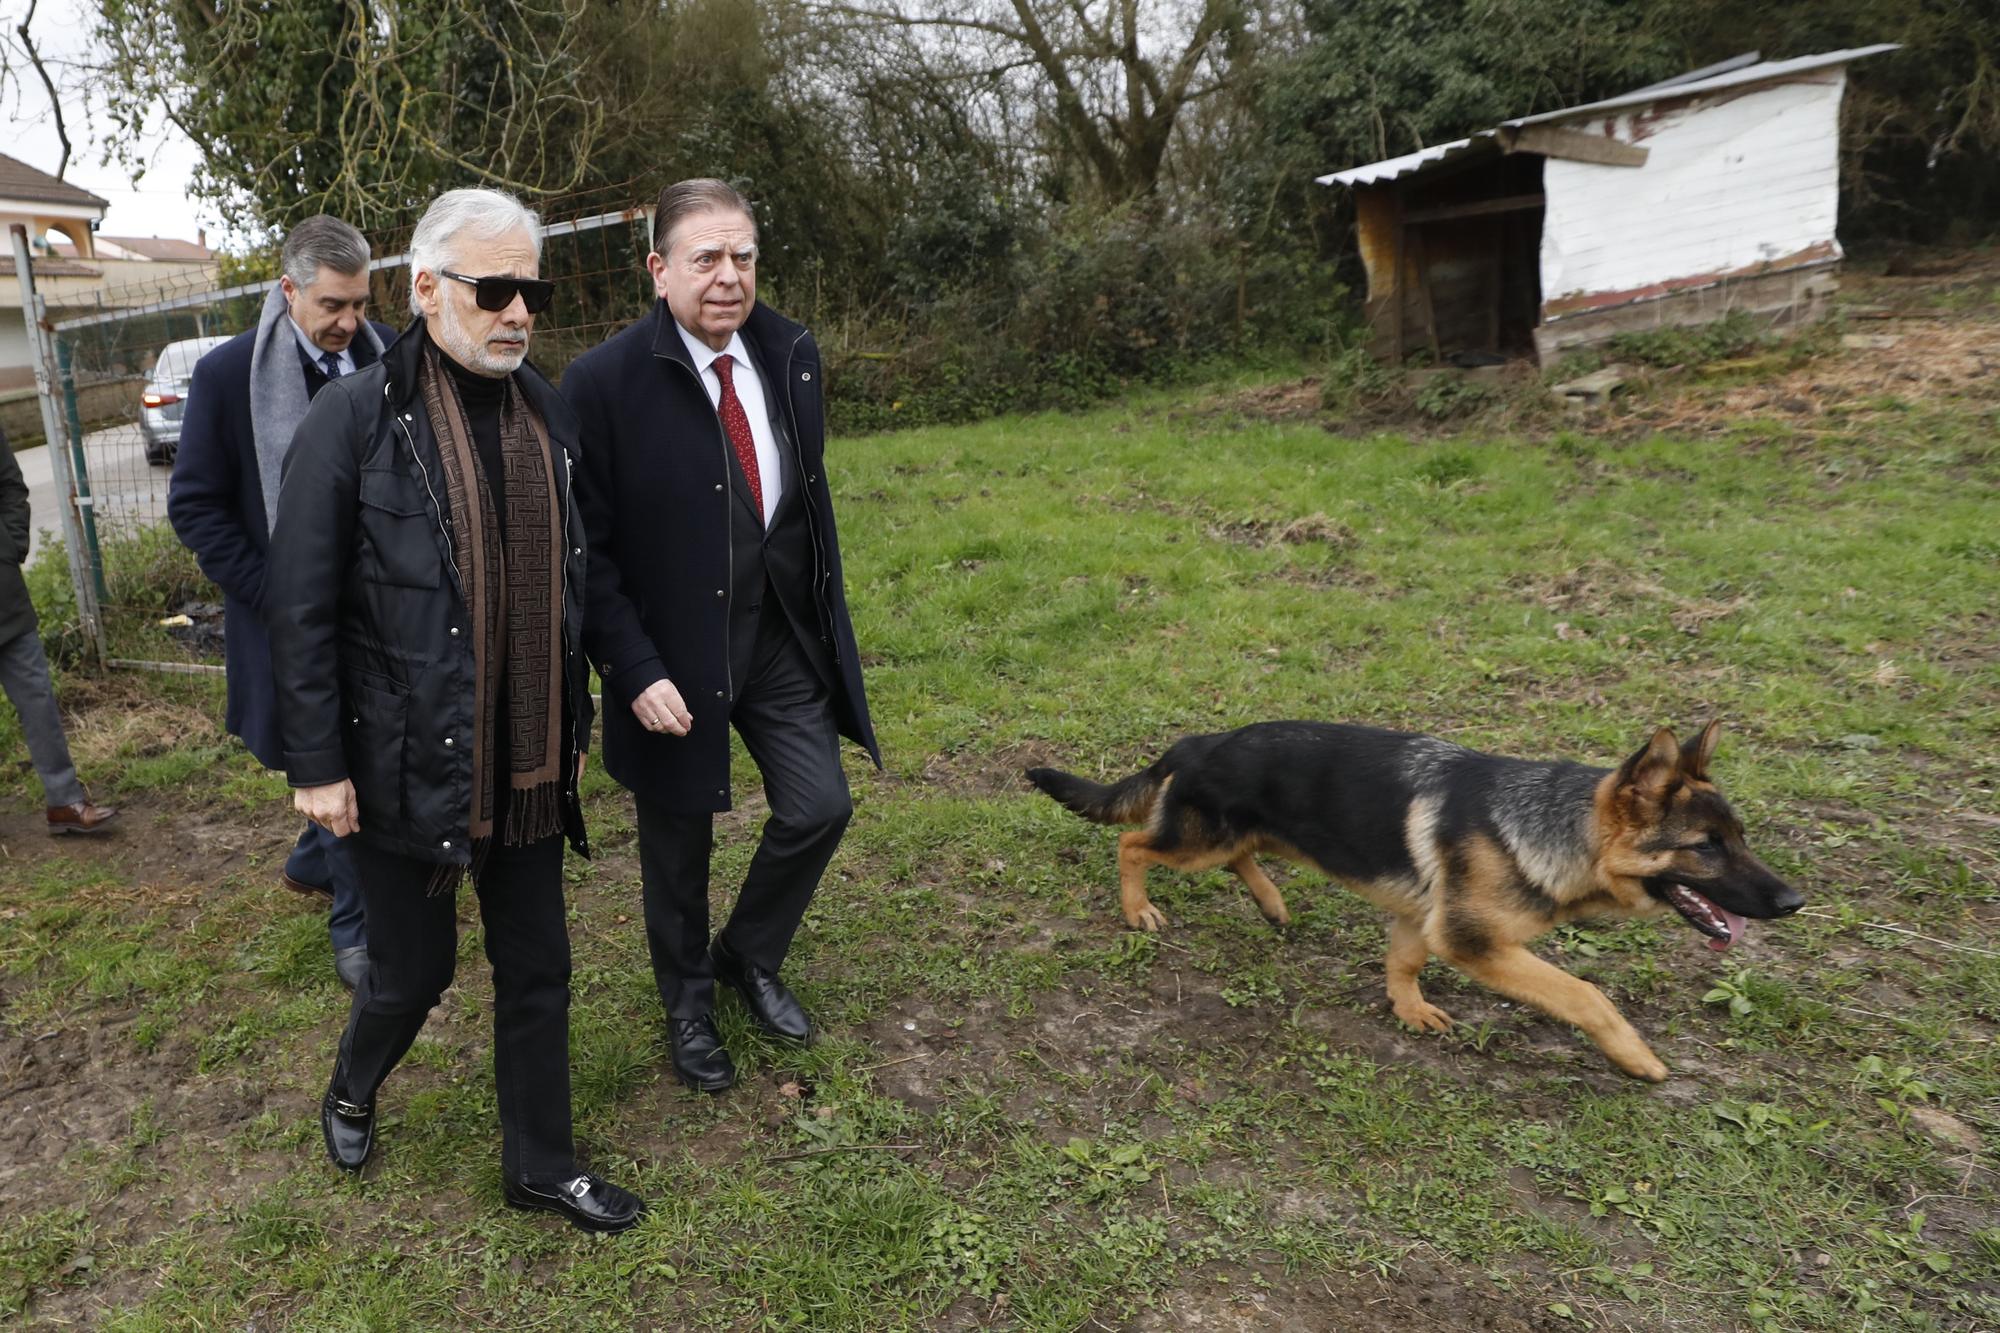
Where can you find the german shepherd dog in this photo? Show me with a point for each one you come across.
(1473, 855)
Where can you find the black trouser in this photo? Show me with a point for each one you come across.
(412, 947)
(783, 713)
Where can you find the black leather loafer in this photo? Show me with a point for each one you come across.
(774, 1007)
(699, 1059)
(588, 1202)
(349, 1130)
(351, 965)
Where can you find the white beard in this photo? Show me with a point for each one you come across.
(472, 353)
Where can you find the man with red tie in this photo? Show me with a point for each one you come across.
(715, 599)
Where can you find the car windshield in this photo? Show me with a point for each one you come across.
(177, 359)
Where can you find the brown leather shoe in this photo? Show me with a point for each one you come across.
(83, 817)
(323, 892)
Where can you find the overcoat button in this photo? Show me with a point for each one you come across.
(718, 485)
(448, 742)
(454, 631)
(719, 592)
(447, 844)
(718, 694)
(805, 374)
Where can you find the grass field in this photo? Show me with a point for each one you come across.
(1027, 1116)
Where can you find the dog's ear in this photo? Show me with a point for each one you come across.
(1695, 757)
(1654, 767)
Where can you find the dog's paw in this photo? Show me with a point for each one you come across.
(1148, 918)
(1424, 1016)
(1650, 1067)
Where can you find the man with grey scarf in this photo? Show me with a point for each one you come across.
(246, 399)
(425, 605)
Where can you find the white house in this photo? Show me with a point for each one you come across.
(42, 204)
(1673, 204)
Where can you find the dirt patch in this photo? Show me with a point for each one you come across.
(1598, 589)
(1421, 1293)
(983, 773)
(1257, 533)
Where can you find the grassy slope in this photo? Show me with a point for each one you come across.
(1036, 1118)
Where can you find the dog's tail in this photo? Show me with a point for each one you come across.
(1127, 802)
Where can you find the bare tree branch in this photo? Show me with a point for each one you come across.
(1114, 105)
(55, 101)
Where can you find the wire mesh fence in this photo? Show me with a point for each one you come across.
(121, 387)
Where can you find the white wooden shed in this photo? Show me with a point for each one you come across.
(1673, 204)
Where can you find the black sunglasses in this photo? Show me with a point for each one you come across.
(497, 294)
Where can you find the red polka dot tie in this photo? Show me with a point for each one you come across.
(737, 424)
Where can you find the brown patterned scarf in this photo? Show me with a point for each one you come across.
(514, 591)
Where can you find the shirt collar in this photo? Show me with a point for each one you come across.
(315, 351)
(704, 355)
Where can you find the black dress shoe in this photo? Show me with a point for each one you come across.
(349, 1130)
(699, 1059)
(590, 1203)
(351, 965)
(775, 1008)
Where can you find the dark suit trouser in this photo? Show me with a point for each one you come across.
(321, 860)
(412, 949)
(785, 717)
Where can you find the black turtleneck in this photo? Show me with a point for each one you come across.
(483, 396)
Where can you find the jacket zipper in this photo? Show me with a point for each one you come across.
(450, 550)
(576, 715)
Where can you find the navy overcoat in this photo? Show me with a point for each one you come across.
(216, 504)
(653, 485)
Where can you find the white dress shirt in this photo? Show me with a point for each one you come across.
(750, 392)
(345, 356)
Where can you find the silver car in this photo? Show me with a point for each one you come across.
(164, 398)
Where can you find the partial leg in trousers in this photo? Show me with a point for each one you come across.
(411, 962)
(786, 721)
(322, 861)
(527, 942)
(673, 870)
(24, 674)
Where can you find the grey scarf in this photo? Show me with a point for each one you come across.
(278, 397)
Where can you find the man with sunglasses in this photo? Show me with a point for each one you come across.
(715, 601)
(245, 400)
(426, 612)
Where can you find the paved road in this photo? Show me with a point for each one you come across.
(123, 485)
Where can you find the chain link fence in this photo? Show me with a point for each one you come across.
(117, 389)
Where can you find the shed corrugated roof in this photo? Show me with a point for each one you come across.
(1391, 168)
(1425, 159)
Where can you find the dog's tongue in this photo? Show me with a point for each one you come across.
(1730, 919)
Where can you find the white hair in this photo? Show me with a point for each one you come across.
(480, 215)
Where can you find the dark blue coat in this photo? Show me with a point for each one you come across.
(216, 504)
(653, 485)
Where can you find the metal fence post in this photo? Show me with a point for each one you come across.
(80, 572)
(80, 467)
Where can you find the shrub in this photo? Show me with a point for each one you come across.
(147, 574)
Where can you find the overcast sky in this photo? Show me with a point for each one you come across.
(159, 204)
